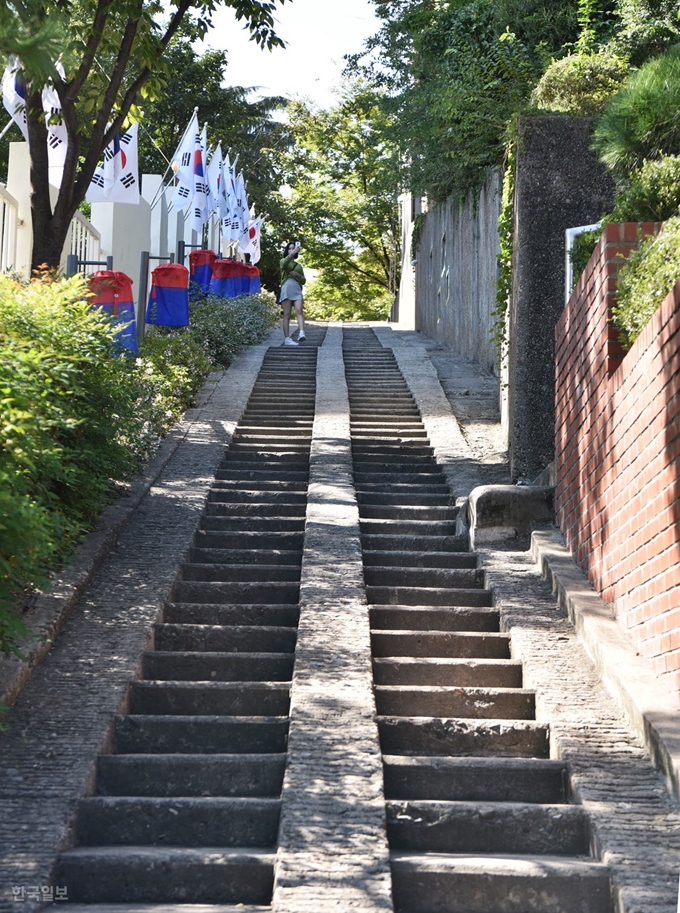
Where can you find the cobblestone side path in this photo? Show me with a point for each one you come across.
(333, 852)
(62, 717)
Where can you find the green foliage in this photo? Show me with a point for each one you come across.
(506, 224)
(581, 84)
(652, 193)
(643, 120)
(77, 414)
(645, 279)
(344, 177)
(455, 74)
(337, 295)
(470, 81)
(65, 404)
(581, 252)
(224, 327)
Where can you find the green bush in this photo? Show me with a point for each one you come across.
(645, 279)
(223, 327)
(581, 84)
(652, 194)
(582, 251)
(642, 121)
(78, 414)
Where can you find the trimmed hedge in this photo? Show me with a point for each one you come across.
(645, 279)
(78, 414)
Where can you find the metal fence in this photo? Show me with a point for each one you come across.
(85, 243)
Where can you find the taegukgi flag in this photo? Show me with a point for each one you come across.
(116, 180)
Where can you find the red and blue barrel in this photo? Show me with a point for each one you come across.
(226, 280)
(169, 296)
(201, 268)
(253, 277)
(112, 292)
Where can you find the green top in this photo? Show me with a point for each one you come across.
(291, 269)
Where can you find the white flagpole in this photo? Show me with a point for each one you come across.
(11, 121)
(162, 187)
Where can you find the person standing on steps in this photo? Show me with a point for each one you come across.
(292, 280)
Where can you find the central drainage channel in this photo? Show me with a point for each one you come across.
(478, 816)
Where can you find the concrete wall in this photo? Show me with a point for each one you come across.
(456, 273)
(559, 185)
(125, 229)
(618, 451)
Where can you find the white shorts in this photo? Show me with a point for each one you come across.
(291, 291)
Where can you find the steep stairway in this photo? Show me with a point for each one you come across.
(478, 815)
(186, 806)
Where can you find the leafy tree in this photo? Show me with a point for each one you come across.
(455, 74)
(344, 178)
(113, 52)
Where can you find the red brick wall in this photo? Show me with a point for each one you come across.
(618, 454)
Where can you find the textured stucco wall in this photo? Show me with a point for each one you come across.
(559, 185)
(456, 273)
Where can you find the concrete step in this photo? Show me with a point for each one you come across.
(301, 448)
(401, 513)
(193, 821)
(379, 432)
(284, 616)
(435, 596)
(292, 542)
(487, 673)
(231, 639)
(428, 491)
(432, 477)
(244, 555)
(384, 541)
(447, 644)
(240, 572)
(190, 775)
(262, 484)
(167, 874)
(402, 559)
(243, 495)
(292, 460)
(235, 472)
(404, 447)
(432, 883)
(438, 826)
(166, 908)
(236, 592)
(403, 461)
(402, 499)
(215, 523)
(192, 734)
(437, 577)
(408, 528)
(209, 698)
(261, 508)
(427, 618)
(439, 736)
(468, 703)
(217, 667)
(476, 779)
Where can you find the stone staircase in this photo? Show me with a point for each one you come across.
(186, 806)
(478, 815)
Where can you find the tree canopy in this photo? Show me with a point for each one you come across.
(113, 55)
(344, 177)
